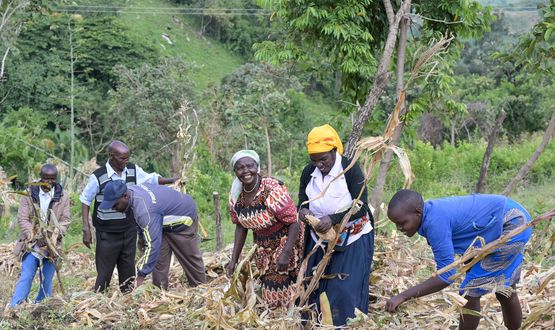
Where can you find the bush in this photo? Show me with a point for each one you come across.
(449, 170)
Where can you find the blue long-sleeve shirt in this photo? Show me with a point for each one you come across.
(451, 224)
(150, 204)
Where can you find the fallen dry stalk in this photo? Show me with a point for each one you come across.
(399, 263)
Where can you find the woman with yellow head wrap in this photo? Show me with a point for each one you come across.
(323, 138)
(347, 285)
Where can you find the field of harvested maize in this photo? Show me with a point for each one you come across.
(399, 262)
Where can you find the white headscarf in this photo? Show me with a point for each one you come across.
(237, 186)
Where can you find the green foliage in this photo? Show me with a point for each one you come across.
(349, 34)
(25, 143)
(148, 100)
(234, 23)
(40, 69)
(488, 78)
(255, 102)
(99, 43)
(346, 34)
(449, 170)
(538, 48)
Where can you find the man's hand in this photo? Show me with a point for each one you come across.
(324, 225)
(303, 213)
(174, 182)
(283, 260)
(230, 268)
(139, 281)
(392, 304)
(87, 237)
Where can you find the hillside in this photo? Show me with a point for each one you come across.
(174, 35)
(519, 15)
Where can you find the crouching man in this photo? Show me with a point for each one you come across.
(168, 220)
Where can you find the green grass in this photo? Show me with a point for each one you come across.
(537, 199)
(212, 59)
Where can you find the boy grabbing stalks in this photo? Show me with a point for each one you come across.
(451, 225)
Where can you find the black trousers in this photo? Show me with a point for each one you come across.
(115, 249)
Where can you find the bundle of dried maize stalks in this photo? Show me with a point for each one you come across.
(399, 262)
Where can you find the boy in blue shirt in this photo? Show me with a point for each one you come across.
(451, 225)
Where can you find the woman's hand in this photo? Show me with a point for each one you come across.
(230, 268)
(324, 225)
(303, 213)
(392, 304)
(283, 260)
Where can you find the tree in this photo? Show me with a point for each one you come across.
(258, 106)
(480, 186)
(146, 110)
(98, 43)
(352, 33)
(9, 28)
(537, 52)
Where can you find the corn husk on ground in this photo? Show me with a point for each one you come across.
(399, 262)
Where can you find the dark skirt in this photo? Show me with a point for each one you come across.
(349, 288)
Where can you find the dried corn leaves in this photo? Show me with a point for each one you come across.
(223, 304)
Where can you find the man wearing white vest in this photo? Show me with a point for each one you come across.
(168, 220)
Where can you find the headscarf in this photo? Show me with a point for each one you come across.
(237, 186)
(323, 138)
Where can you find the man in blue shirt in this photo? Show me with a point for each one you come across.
(169, 222)
(451, 225)
(116, 233)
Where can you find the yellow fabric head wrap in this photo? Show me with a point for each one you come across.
(323, 138)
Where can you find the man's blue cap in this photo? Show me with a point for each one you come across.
(113, 191)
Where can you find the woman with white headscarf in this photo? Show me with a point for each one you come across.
(264, 205)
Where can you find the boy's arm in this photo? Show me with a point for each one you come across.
(431, 285)
(440, 239)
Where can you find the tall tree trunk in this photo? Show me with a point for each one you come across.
(382, 76)
(71, 102)
(377, 193)
(268, 148)
(487, 155)
(528, 166)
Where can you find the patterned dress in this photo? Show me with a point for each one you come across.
(269, 216)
